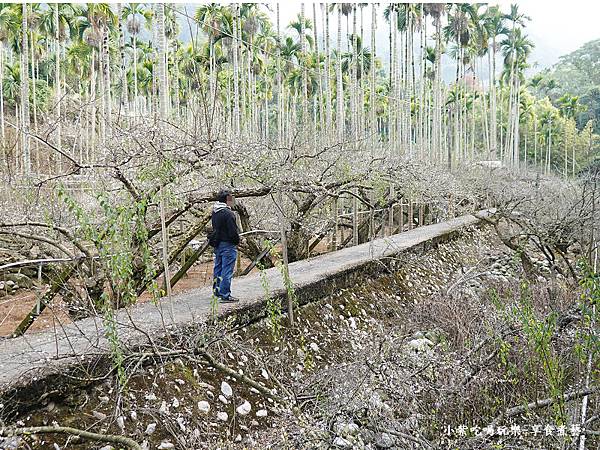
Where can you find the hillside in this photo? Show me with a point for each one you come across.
(577, 73)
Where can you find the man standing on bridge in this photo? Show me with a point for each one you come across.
(224, 238)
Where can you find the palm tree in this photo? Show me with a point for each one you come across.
(360, 56)
(569, 106)
(11, 83)
(78, 59)
(300, 25)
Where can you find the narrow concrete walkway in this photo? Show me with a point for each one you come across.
(38, 355)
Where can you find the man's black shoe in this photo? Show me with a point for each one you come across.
(230, 299)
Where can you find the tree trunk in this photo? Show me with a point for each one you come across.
(284, 254)
(55, 287)
(57, 88)
(2, 136)
(327, 79)
(339, 87)
(122, 79)
(135, 78)
(107, 85)
(236, 88)
(321, 100)
(373, 96)
(26, 155)
(493, 118)
(163, 90)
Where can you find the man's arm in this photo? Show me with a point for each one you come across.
(232, 229)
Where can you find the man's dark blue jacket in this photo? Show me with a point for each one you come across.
(224, 226)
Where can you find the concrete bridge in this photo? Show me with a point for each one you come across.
(38, 356)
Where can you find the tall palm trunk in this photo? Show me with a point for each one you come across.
(107, 94)
(303, 62)
(373, 96)
(236, 88)
(339, 86)
(163, 96)
(391, 81)
(410, 78)
(122, 80)
(573, 160)
(93, 81)
(211, 66)
(327, 79)
(135, 77)
(501, 140)
(174, 79)
(362, 86)
(321, 103)
(242, 79)
(25, 150)
(57, 87)
(394, 106)
(33, 78)
(565, 147)
(280, 108)
(549, 151)
(535, 140)
(422, 61)
(485, 126)
(437, 120)
(493, 107)
(525, 132)
(354, 81)
(2, 92)
(163, 90)
(516, 136)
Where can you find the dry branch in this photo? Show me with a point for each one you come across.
(111, 438)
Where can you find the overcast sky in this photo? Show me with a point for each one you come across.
(558, 27)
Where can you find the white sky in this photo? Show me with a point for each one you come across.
(559, 26)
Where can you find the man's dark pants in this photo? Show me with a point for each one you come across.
(225, 257)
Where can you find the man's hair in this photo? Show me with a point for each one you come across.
(222, 195)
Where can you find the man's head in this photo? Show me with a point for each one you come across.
(225, 196)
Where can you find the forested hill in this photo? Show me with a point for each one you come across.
(577, 74)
